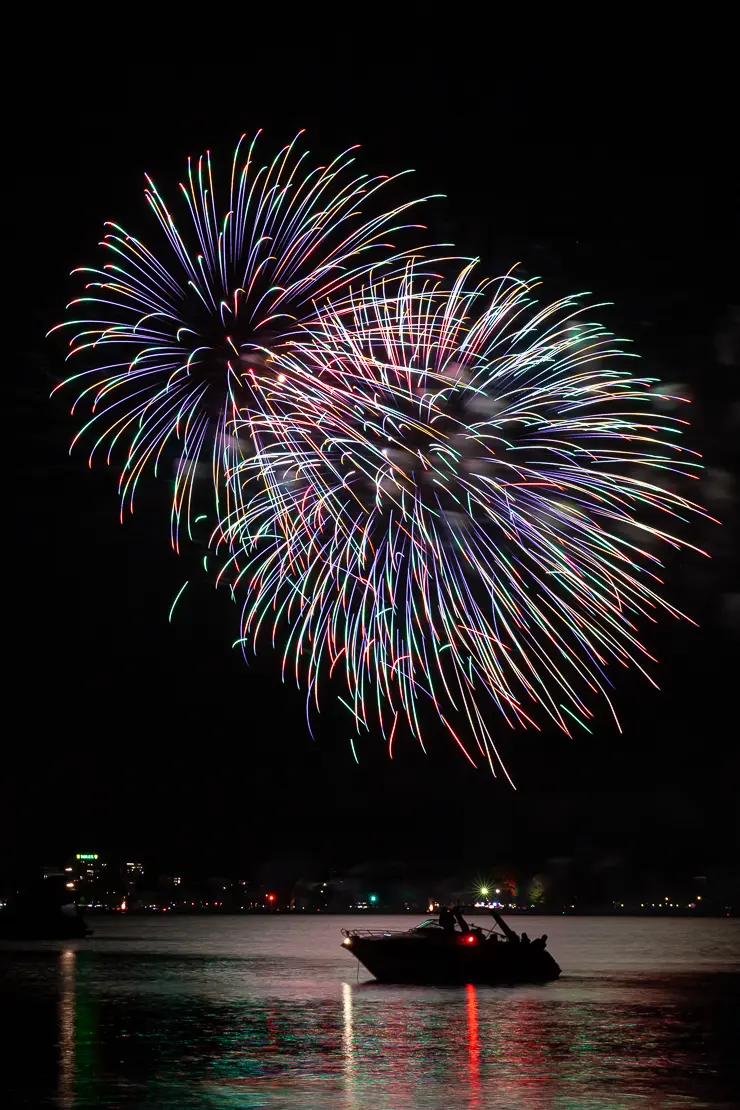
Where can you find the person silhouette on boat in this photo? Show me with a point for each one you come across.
(447, 920)
(525, 939)
(457, 916)
(540, 944)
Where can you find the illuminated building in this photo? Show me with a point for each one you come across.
(88, 866)
(169, 882)
(133, 875)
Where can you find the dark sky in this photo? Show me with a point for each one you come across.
(131, 735)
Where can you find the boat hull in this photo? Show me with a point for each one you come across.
(408, 960)
(14, 927)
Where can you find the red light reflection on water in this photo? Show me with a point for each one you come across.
(473, 1044)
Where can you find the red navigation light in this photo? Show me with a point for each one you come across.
(270, 897)
(471, 940)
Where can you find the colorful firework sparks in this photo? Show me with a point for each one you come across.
(450, 498)
(442, 495)
(167, 338)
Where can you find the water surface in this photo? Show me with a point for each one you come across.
(181, 1012)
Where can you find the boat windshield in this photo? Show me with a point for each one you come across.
(430, 923)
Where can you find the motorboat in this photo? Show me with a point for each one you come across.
(43, 910)
(21, 926)
(430, 954)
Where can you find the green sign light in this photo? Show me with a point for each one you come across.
(87, 855)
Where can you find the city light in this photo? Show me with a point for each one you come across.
(86, 883)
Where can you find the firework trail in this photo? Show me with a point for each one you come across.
(165, 337)
(453, 498)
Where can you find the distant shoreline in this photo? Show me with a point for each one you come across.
(370, 915)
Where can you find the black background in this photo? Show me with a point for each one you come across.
(130, 735)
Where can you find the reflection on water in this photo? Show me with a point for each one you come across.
(67, 960)
(473, 1045)
(348, 1047)
(261, 1012)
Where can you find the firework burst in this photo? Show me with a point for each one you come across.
(452, 499)
(167, 337)
(443, 495)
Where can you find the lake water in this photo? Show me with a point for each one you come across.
(180, 1012)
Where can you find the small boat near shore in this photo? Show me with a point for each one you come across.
(15, 926)
(43, 910)
(433, 955)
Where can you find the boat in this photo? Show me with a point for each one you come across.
(19, 926)
(43, 910)
(429, 954)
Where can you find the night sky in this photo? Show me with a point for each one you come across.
(130, 735)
